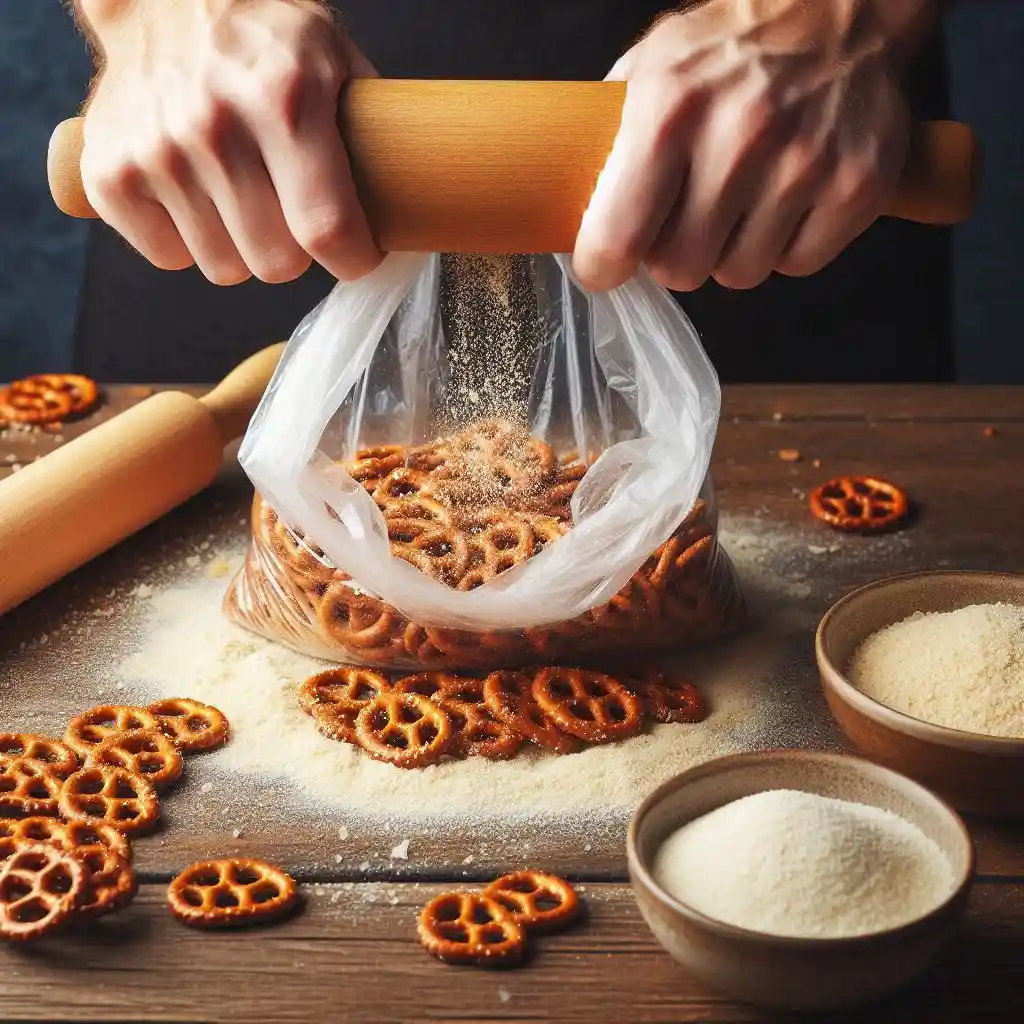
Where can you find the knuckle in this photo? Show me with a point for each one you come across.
(280, 266)
(324, 234)
(740, 278)
(675, 275)
(207, 126)
(113, 182)
(800, 167)
(165, 157)
(859, 182)
(799, 264)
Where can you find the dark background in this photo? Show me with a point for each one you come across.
(44, 71)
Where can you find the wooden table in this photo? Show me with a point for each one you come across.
(351, 954)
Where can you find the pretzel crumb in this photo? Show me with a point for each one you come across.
(789, 455)
(990, 431)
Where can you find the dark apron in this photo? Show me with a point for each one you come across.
(879, 312)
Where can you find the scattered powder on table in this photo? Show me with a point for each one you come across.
(185, 647)
(789, 863)
(962, 669)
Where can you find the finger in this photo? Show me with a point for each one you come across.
(775, 217)
(236, 179)
(309, 167)
(636, 189)
(119, 198)
(865, 174)
(722, 184)
(175, 185)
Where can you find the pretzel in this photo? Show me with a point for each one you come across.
(509, 698)
(402, 483)
(427, 457)
(334, 697)
(112, 882)
(664, 700)
(88, 730)
(355, 620)
(99, 794)
(56, 757)
(437, 550)
(27, 788)
(538, 901)
(83, 391)
(39, 887)
(475, 650)
(26, 402)
(231, 893)
(476, 732)
(17, 832)
(638, 602)
(416, 507)
(147, 753)
(467, 928)
(306, 560)
(859, 504)
(77, 834)
(377, 462)
(192, 725)
(68, 835)
(403, 729)
(591, 705)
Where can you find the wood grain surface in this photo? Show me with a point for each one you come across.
(351, 955)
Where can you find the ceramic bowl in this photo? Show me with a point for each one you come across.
(979, 774)
(783, 972)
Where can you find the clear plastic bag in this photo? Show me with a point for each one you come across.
(590, 527)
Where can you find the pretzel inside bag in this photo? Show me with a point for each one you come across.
(466, 509)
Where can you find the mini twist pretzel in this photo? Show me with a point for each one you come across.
(538, 901)
(436, 550)
(15, 833)
(192, 725)
(670, 702)
(416, 507)
(231, 893)
(374, 463)
(27, 788)
(83, 391)
(147, 753)
(56, 757)
(112, 883)
(590, 705)
(88, 730)
(859, 504)
(111, 795)
(468, 928)
(334, 697)
(28, 402)
(355, 620)
(476, 732)
(404, 729)
(39, 887)
(402, 483)
(509, 698)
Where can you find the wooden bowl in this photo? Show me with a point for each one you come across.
(792, 973)
(980, 774)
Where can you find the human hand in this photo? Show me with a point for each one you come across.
(756, 135)
(211, 137)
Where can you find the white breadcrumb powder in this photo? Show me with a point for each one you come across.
(189, 647)
(962, 669)
(802, 865)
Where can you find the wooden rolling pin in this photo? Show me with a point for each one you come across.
(510, 166)
(85, 497)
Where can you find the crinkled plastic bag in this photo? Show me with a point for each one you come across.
(615, 385)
